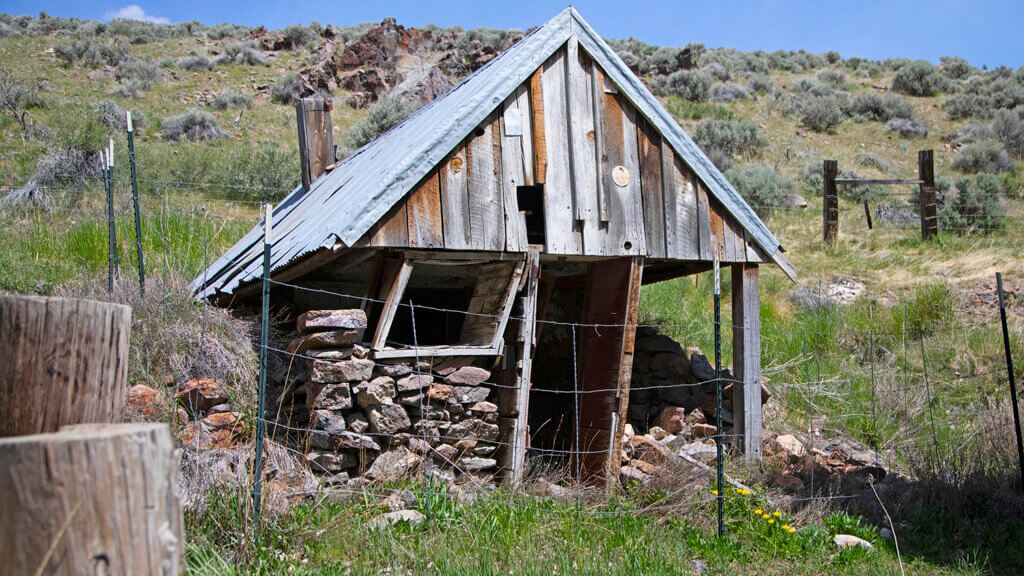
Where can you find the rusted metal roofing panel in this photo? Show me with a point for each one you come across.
(342, 205)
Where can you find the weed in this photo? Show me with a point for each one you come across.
(195, 125)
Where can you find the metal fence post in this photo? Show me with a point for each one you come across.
(1010, 375)
(262, 392)
(135, 201)
(719, 448)
(108, 171)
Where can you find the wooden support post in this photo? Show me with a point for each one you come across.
(524, 352)
(926, 173)
(867, 214)
(830, 201)
(316, 139)
(746, 361)
(91, 499)
(62, 361)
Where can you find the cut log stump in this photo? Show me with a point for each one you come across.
(91, 499)
(62, 361)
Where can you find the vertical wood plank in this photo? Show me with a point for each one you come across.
(316, 138)
(538, 124)
(704, 223)
(395, 230)
(651, 182)
(522, 104)
(830, 201)
(597, 84)
(715, 223)
(746, 346)
(455, 200)
(584, 150)
(686, 213)
(387, 316)
(486, 212)
(560, 229)
(511, 177)
(632, 193)
(611, 160)
(424, 213)
(671, 185)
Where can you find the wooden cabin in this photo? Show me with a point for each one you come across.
(534, 198)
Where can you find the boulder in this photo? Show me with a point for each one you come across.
(699, 451)
(336, 396)
(380, 390)
(331, 462)
(696, 416)
(788, 483)
(414, 382)
(328, 421)
(470, 394)
(357, 422)
(141, 400)
(474, 429)
(791, 446)
(658, 343)
(439, 392)
(332, 353)
(471, 464)
(658, 433)
(393, 464)
(387, 418)
(672, 419)
(849, 541)
(446, 452)
(400, 500)
(389, 519)
(629, 475)
(702, 431)
(392, 370)
(221, 408)
(342, 441)
(649, 450)
(670, 362)
(467, 376)
(423, 84)
(326, 372)
(483, 407)
(199, 395)
(331, 339)
(322, 320)
(701, 369)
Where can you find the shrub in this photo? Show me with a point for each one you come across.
(984, 156)
(813, 87)
(383, 115)
(830, 77)
(762, 187)
(261, 172)
(687, 110)
(297, 36)
(195, 63)
(77, 126)
(729, 92)
(821, 113)
(761, 84)
(247, 53)
(969, 106)
(194, 125)
(221, 31)
(665, 60)
(287, 89)
(14, 98)
(73, 51)
(956, 68)
(919, 78)
(907, 127)
(113, 117)
(881, 107)
(833, 57)
(231, 99)
(978, 205)
(692, 85)
(732, 137)
(717, 71)
(128, 89)
(1008, 128)
(142, 71)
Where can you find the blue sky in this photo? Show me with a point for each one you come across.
(983, 31)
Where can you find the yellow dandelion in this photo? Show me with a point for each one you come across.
(758, 512)
(791, 529)
(776, 513)
(772, 521)
(785, 526)
(715, 492)
(765, 516)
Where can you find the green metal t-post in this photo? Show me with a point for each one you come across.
(719, 448)
(1010, 375)
(111, 241)
(262, 393)
(135, 201)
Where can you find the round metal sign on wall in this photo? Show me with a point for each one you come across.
(620, 175)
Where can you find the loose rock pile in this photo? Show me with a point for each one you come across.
(385, 419)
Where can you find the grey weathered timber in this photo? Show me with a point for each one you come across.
(396, 288)
(830, 201)
(91, 499)
(526, 341)
(704, 225)
(631, 193)
(455, 201)
(655, 221)
(424, 214)
(62, 361)
(746, 347)
(865, 181)
(560, 228)
(926, 172)
(486, 205)
(511, 178)
(316, 138)
(584, 151)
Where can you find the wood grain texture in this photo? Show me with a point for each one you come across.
(511, 178)
(115, 488)
(715, 223)
(704, 224)
(623, 204)
(651, 186)
(582, 128)
(62, 361)
(486, 205)
(632, 194)
(522, 104)
(746, 346)
(686, 211)
(316, 138)
(455, 200)
(538, 127)
(396, 282)
(487, 305)
(561, 232)
(525, 343)
(426, 229)
(394, 230)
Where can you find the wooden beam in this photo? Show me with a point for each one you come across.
(540, 147)
(526, 341)
(867, 181)
(316, 138)
(387, 316)
(830, 202)
(435, 351)
(424, 214)
(928, 208)
(746, 361)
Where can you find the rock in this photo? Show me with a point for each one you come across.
(380, 390)
(474, 429)
(788, 483)
(698, 567)
(483, 407)
(658, 343)
(423, 84)
(702, 431)
(201, 394)
(328, 421)
(141, 400)
(221, 408)
(440, 392)
(388, 519)
(848, 541)
(223, 420)
(727, 392)
(387, 418)
(336, 396)
(344, 441)
(696, 416)
(791, 446)
(672, 419)
(627, 432)
(628, 475)
(455, 409)
(700, 451)
(400, 500)
(392, 370)
(485, 450)
(470, 464)
(543, 487)
(470, 394)
(223, 430)
(106, 71)
(792, 200)
(328, 372)
(320, 320)
(414, 382)
(671, 363)
(393, 464)
(332, 339)
(332, 353)
(446, 452)
(658, 433)
(360, 351)
(700, 368)
(331, 462)
(645, 467)
(418, 446)
(647, 449)
(467, 376)
(357, 422)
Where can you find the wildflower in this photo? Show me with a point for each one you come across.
(739, 491)
(715, 492)
(765, 516)
(776, 513)
(785, 526)
(771, 521)
(758, 512)
(791, 529)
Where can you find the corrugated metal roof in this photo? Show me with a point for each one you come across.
(344, 204)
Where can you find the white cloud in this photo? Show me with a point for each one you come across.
(135, 12)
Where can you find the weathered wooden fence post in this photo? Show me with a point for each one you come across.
(91, 499)
(830, 204)
(926, 173)
(62, 361)
(316, 139)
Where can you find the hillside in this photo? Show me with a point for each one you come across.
(878, 314)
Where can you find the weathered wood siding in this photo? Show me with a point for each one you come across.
(612, 185)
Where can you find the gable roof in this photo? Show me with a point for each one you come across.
(342, 205)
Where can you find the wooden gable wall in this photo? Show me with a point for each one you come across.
(612, 185)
